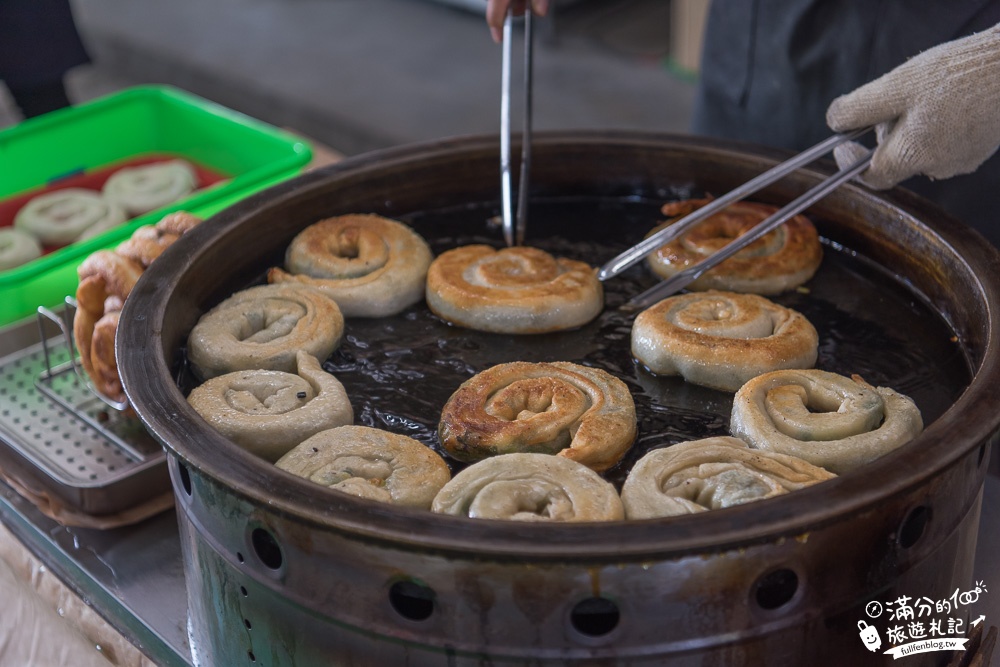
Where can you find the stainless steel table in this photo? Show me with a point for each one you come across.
(131, 576)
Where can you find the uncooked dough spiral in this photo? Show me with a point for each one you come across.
(709, 474)
(63, 216)
(264, 327)
(780, 260)
(144, 188)
(832, 421)
(722, 339)
(370, 463)
(529, 487)
(17, 247)
(578, 412)
(370, 265)
(514, 290)
(270, 412)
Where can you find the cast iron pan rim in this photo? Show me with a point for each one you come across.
(174, 423)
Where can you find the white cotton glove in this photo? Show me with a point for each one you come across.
(937, 114)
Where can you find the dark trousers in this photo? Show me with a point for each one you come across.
(37, 99)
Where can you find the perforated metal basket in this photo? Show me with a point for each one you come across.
(58, 440)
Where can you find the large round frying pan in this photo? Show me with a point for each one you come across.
(281, 572)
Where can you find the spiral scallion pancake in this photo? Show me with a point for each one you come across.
(780, 260)
(832, 421)
(529, 487)
(263, 327)
(708, 474)
(722, 339)
(578, 412)
(148, 187)
(17, 247)
(370, 463)
(370, 265)
(63, 216)
(270, 412)
(517, 290)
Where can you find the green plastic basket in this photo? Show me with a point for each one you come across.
(135, 122)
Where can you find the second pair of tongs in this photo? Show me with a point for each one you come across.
(673, 231)
(514, 228)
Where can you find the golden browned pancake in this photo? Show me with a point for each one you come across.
(370, 265)
(722, 339)
(148, 242)
(578, 412)
(106, 280)
(514, 290)
(781, 260)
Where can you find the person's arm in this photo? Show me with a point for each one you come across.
(937, 114)
(496, 10)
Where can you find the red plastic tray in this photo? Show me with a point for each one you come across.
(95, 180)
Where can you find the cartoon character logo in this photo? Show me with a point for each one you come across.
(869, 635)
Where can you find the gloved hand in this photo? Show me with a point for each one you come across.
(937, 114)
(496, 11)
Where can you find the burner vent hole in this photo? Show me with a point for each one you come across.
(266, 548)
(252, 657)
(595, 617)
(913, 526)
(185, 477)
(776, 589)
(411, 600)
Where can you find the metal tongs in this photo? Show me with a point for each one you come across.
(514, 233)
(678, 281)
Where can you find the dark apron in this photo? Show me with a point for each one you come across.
(39, 42)
(770, 69)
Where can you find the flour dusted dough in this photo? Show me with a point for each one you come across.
(370, 463)
(264, 327)
(832, 421)
(711, 473)
(270, 412)
(148, 187)
(63, 216)
(529, 487)
(17, 247)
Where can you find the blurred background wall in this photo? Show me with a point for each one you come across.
(359, 75)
